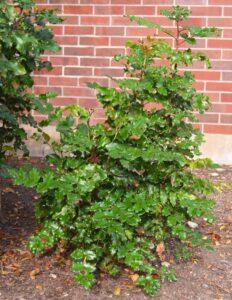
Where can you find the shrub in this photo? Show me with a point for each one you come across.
(24, 37)
(119, 191)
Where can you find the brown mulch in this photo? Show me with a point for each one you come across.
(207, 276)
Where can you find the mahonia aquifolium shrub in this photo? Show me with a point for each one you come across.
(24, 37)
(119, 191)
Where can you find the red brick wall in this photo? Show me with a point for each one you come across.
(94, 30)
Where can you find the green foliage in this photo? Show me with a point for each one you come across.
(24, 37)
(121, 189)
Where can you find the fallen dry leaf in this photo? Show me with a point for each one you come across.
(8, 190)
(160, 251)
(230, 218)
(135, 138)
(117, 291)
(139, 231)
(134, 277)
(33, 273)
(48, 267)
(39, 287)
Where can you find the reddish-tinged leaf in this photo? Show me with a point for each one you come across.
(160, 251)
(216, 237)
(156, 276)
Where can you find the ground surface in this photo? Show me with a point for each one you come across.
(207, 276)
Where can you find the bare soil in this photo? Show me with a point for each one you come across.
(206, 276)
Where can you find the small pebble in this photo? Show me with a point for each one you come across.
(214, 174)
(192, 224)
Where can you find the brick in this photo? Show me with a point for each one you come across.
(66, 40)
(228, 11)
(222, 65)
(220, 22)
(94, 41)
(158, 2)
(96, 121)
(71, 20)
(123, 2)
(79, 51)
(40, 80)
(97, 62)
(54, 71)
(161, 21)
(99, 114)
(66, 1)
(117, 41)
(194, 22)
(77, 10)
(79, 91)
(121, 21)
(227, 119)
(218, 129)
(215, 97)
(140, 10)
(113, 72)
(60, 101)
(213, 54)
(221, 108)
(206, 11)
(219, 86)
(220, 43)
(220, 2)
(201, 43)
(49, 6)
(63, 61)
(227, 76)
(208, 118)
(226, 97)
(78, 30)
(227, 33)
(109, 51)
(227, 54)
(62, 81)
(95, 30)
(78, 71)
(94, 1)
(140, 31)
(57, 29)
(207, 75)
(108, 10)
(92, 20)
(198, 126)
(101, 80)
(110, 31)
(45, 89)
(199, 86)
(89, 103)
(191, 2)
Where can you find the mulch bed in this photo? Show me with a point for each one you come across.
(206, 276)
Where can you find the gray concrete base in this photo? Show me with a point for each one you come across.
(218, 147)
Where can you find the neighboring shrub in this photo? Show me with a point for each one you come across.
(119, 192)
(24, 37)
